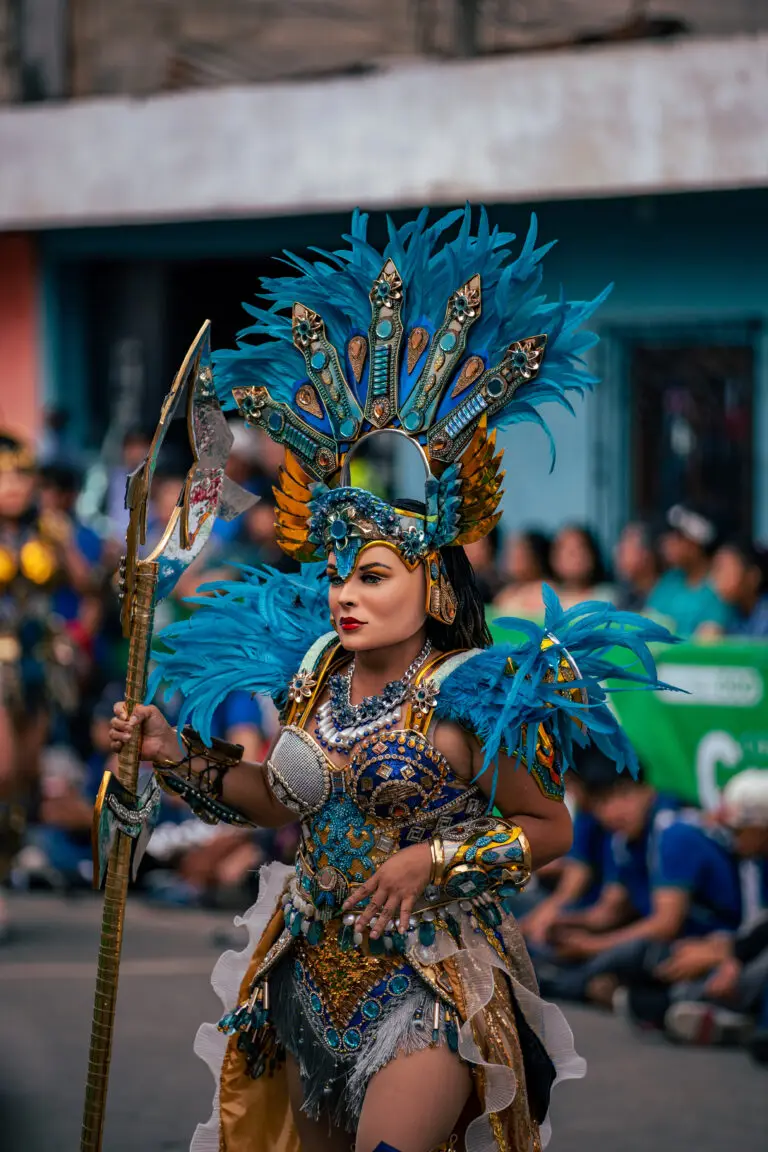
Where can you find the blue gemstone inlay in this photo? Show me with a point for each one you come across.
(339, 529)
(319, 360)
(275, 421)
(332, 1038)
(298, 970)
(316, 1003)
(352, 1039)
(495, 387)
(384, 329)
(371, 1009)
(347, 429)
(398, 985)
(412, 421)
(448, 341)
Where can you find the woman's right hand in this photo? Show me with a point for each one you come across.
(158, 738)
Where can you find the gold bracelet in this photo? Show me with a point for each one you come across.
(437, 871)
(527, 866)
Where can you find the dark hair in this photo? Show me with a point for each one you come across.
(62, 476)
(598, 573)
(599, 782)
(469, 629)
(751, 555)
(541, 547)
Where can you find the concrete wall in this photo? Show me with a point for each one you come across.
(620, 120)
(148, 46)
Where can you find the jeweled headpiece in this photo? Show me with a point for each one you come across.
(440, 340)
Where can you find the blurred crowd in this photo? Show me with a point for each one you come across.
(685, 571)
(658, 911)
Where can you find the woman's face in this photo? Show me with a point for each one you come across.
(17, 491)
(522, 565)
(572, 560)
(730, 575)
(632, 553)
(380, 604)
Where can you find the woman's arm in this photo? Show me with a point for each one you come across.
(244, 786)
(545, 821)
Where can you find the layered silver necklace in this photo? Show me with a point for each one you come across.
(340, 724)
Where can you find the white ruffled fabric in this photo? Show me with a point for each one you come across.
(228, 975)
(475, 961)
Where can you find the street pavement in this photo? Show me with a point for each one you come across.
(639, 1093)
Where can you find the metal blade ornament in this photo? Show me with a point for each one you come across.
(122, 821)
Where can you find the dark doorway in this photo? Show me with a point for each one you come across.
(691, 420)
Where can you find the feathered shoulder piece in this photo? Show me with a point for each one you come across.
(251, 634)
(556, 677)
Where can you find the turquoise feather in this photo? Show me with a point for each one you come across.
(432, 266)
(483, 697)
(249, 635)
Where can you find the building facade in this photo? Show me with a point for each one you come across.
(124, 222)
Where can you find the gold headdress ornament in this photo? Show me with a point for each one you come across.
(377, 362)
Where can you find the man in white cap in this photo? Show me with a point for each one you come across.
(719, 985)
(684, 593)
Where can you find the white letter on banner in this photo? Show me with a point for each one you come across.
(714, 749)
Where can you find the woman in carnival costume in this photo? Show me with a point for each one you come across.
(386, 991)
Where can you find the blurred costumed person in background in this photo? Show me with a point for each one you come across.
(424, 765)
(37, 557)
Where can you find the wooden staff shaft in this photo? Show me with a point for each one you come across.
(118, 871)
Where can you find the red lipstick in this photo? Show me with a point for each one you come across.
(349, 624)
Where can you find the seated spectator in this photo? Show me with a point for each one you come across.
(526, 566)
(684, 594)
(670, 876)
(58, 845)
(637, 564)
(583, 870)
(714, 990)
(578, 567)
(740, 578)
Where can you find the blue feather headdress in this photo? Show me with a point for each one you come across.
(443, 336)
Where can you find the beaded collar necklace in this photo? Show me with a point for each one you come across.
(341, 724)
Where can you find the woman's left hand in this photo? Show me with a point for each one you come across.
(393, 889)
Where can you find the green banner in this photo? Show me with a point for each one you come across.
(691, 744)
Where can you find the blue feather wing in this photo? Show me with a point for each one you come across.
(249, 635)
(504, 692)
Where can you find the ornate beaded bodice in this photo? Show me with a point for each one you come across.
(397, 790)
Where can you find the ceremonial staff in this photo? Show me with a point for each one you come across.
(123, 820)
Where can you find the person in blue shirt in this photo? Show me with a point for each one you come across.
(684, 595)
(583, 870)
(714, 989)
(670, 876)
(740, 578)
